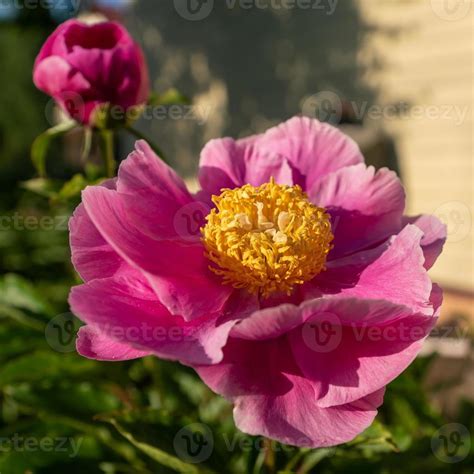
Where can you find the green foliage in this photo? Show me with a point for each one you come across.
(42, 142)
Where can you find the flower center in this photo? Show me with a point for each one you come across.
(266, 239)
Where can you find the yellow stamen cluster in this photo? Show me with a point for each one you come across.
(266, 239)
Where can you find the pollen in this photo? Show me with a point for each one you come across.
(266, 239)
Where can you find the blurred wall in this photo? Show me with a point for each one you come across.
(428, 63)
(246, 69)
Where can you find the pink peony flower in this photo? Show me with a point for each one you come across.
(302, 296)
(83, 66)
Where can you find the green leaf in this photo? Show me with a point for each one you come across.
(375, 439)
(18, 292)
(157, 454)
(16, 340)
(43, 187)
(73, 187)
(41, 145)
(35, 367)
(170, 97)
(314, 458)
(72, 398)
(86, 144)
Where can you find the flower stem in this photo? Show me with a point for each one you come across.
(109, 153)
(137, 134)
(269, 455)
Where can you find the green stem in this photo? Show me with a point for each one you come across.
(86, 144)
(269, 456)
(137, 134)
(109, 153)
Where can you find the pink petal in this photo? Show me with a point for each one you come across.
(273, 399)
(295, 419)
(228, 163)
(392, 272)
(177, 271)
(126, 310)
(314, 148)
(152, 193)
(221, 166)
(434, 236)
(92, 256)
(95, 345)
(54, 75)
(104, 35)
(374, 342)
(269, 323)
(366, 206)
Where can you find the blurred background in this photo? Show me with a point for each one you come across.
(396, 75)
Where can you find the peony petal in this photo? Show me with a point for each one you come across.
(228, 163)
(314, 148)
(92, 256)
(273, 399)
(95, 345)
(434, 236)
(251, 368)
(126, 310)
(295, 419)
(393, 271)
(366, 206)
(152, 193)
(374, 342)
(177, 271)
(56, 76)
(221, 166)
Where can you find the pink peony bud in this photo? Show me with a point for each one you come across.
(84, 66)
